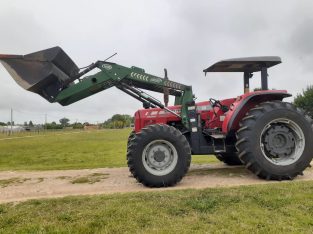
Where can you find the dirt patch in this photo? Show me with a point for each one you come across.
(22, 185)
(12, 181)
(90, 179)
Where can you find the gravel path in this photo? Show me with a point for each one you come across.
(23, 185)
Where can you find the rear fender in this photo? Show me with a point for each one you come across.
(247, 101)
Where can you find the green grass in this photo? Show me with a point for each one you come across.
(204, 159)
(37, 133)
(273, 208)
(69, 150)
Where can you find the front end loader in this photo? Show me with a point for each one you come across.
(272, 138)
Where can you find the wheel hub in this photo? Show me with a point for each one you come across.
(282, 141)
(279, 141)
(160, 157)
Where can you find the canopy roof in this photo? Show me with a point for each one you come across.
(248, 64)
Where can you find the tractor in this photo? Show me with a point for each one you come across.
(271, 138)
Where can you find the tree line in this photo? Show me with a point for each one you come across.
(116, 121)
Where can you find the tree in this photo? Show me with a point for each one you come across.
(30, 124)
(64, 122)
(118, 121)
(260, 89)
(53, 125)
(3, 124)
(78, 126)
(117, 117)
(305, 100)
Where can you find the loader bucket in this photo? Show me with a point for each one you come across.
(44, 72)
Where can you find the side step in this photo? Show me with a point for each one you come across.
(219, 145)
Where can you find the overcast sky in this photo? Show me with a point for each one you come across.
(183, 36)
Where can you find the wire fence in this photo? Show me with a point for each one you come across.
(20, 131)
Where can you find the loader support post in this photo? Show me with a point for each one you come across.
(264, 78)
(246, 82)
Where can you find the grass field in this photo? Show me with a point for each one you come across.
(68, 150)
(274, 208)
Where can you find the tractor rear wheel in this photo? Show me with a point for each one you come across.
(158, 156)
(275, 141)
(230, 159)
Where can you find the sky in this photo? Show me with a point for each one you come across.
(181, 35)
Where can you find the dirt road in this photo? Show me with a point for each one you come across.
(21, 185)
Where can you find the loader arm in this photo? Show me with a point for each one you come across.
(52, 74)
(130, 81)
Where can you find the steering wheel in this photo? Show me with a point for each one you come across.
(217, 103)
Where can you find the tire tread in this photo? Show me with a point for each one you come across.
(243, 141)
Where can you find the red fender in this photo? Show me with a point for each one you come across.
(247, 101)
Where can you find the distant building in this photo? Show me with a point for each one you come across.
(5, 129)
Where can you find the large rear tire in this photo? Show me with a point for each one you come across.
(158, 156)
(275, 141)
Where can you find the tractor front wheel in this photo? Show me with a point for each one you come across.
(131, 135)
(158, 156)
(275, 141)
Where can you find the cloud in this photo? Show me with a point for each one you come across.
(300, 43)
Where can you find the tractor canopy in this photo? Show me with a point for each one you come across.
(44, 72)
(248, 64)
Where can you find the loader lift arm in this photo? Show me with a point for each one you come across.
(52, 74)
(130, 81)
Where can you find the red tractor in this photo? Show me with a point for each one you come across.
(271, 138)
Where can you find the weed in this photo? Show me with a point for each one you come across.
(12, 181)
(90, 179)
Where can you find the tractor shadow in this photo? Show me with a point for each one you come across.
(223, 171)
